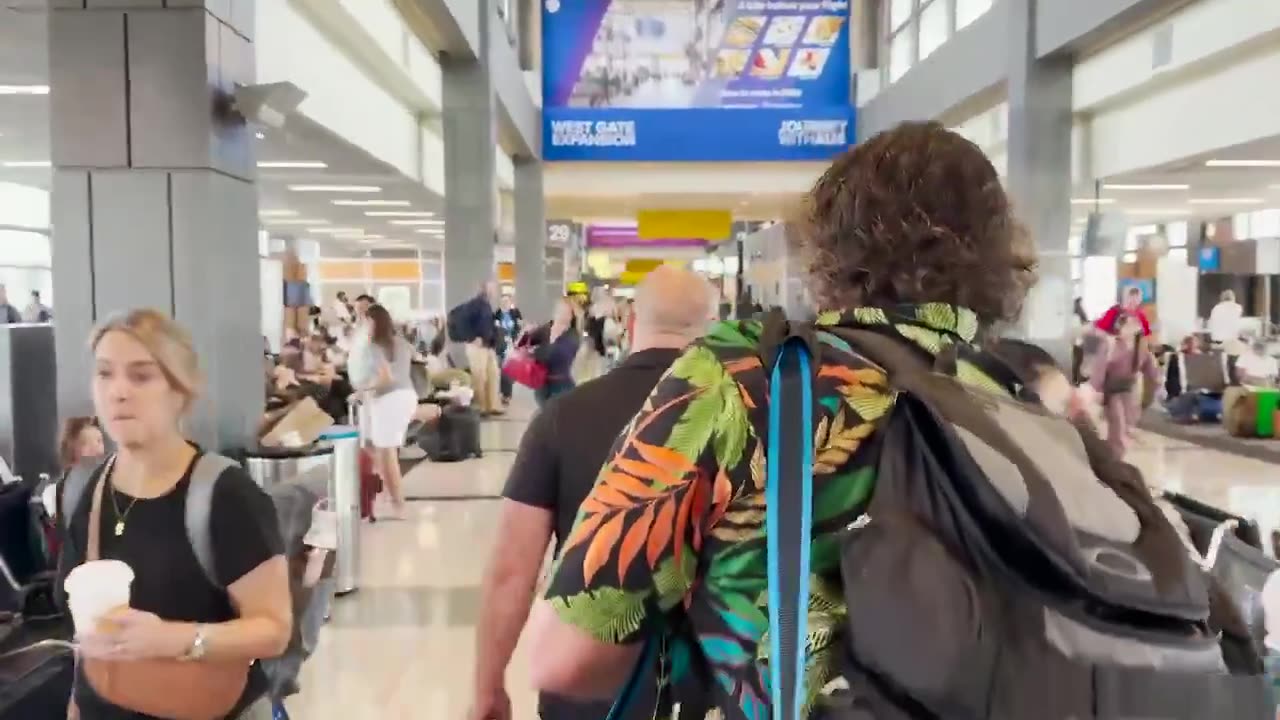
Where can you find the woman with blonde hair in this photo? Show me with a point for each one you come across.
(210, 592)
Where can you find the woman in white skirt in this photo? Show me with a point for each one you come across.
(389, 401)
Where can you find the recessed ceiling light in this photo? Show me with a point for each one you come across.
(1169, 212)
(28, 164)
(399, 213)
(277, 213)
(340, 231)
(372, 203)
(431, 231)
(1243, 163)
(1152, 186)
(336, 188)
(24, 89)
(296, 221)
(417, 222)
(260, 135)
(1092, 201)
(293, 164)
(1226, 201)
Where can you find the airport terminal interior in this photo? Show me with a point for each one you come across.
(285, 179)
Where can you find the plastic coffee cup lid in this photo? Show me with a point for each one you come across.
(99, 575)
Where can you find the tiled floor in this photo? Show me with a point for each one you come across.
(402, 646)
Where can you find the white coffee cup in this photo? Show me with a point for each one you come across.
(95, 589)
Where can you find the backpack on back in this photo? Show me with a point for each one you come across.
(995, 575)
(199, 504)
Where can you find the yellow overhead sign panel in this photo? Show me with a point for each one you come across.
(684, 224)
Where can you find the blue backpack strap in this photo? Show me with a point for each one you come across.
(204, 478)
(630, 690)
(789, 524)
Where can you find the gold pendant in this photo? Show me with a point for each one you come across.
(119, 528)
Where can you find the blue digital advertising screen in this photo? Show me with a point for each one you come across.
(696, 80)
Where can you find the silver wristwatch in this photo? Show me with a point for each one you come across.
(199, 646)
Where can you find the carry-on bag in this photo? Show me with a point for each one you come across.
(36, 680)
(522, 367)
(455, 436)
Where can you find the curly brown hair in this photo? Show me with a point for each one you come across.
(916, 214)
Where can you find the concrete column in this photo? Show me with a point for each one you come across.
(1039, 175)
(531, 241)
(153, 198)
(470, 151)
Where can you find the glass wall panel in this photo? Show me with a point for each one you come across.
(969, 10)
(901, 53)
(935, 27)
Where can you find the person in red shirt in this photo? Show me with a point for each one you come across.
(1131, 305)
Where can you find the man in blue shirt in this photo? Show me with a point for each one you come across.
(472, 334)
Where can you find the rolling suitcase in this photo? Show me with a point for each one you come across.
(370, 483)
(452, 438)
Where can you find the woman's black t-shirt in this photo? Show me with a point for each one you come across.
(168, 579)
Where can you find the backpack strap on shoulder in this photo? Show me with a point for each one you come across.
(74, 486)
(204, 479)
(777, 331)
(789, 524)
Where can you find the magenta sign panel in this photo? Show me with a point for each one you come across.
(628, 236)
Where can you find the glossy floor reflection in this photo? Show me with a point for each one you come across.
(402, 646)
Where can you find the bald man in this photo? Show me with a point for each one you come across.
(560, 455)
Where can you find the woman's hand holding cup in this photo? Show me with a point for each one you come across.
(129, 634)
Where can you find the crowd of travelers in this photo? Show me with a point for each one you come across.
(888, 511)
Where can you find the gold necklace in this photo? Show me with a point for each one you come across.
(121, 518)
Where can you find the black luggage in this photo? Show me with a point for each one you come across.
(36, 682)
(452, 438)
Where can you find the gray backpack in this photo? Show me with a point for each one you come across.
(204, 478)
(1004, 569)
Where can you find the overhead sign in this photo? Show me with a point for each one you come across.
(710, 224)
(689, 80)
(628, 236)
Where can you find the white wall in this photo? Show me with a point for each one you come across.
(1217, 90)
(341, 95)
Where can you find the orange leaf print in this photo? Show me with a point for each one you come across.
(660, 532)
(682, 522)
(645, 471)
(583, 530)
(634, 540)
(722, 494)
(593, 505)
(840, 372)
(611, 496)
(601, 547)
(701, 498)
(665, 458)
(746, 397)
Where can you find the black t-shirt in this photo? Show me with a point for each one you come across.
(560, 456)
(565, 444)
(168, 578)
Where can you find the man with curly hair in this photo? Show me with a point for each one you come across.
(909, 235)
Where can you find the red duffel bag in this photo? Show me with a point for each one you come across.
(522, 368)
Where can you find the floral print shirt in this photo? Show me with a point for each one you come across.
(671, 539)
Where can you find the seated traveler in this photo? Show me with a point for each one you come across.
(1256, 367)
(1196, 378)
